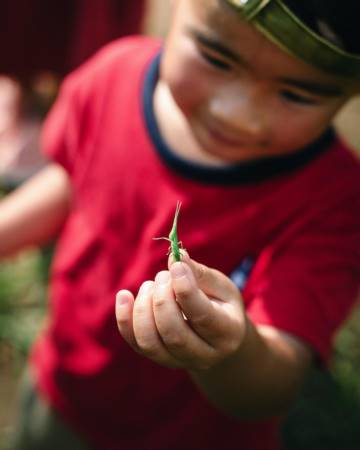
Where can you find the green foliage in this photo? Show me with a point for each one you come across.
(327, 414)
(326, 417)
(22, 301)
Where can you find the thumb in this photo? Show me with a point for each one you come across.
(212, 282)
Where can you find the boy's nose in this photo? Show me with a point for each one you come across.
(241, 110)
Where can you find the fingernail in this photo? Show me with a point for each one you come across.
(178, 270)
(163, 277)
(121, 299)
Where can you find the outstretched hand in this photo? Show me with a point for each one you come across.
(190, 316)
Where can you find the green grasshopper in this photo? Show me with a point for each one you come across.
(175, 244)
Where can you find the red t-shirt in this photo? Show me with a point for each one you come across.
(292, 220)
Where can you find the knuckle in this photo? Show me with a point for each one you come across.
(173, 340)
(159, 302)
(207, 363)
(147, 347)
(230, 346)
(201, 271)
(204, 321)
(140, 310)
(150, 351)
(122, 321)
(184, 291)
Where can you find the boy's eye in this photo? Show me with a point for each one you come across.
(215, 62)
(297, 98)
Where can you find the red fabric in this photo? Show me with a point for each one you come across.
(302, 229)
(39, 35)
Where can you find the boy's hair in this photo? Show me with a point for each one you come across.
(336, 20)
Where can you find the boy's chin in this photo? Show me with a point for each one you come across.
(220, 151)
(220, 155)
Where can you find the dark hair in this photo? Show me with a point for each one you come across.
(336, 20)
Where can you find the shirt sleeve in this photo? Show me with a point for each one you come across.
(61, 130)
(75, 120)
(308, 284)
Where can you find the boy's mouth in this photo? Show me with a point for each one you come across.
(226, 138)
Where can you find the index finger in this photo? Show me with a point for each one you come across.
(211, 281)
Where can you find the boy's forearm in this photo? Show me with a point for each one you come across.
(261, 380)
(34, 213)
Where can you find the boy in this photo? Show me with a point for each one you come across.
(231, 118)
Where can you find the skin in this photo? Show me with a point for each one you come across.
(214, 116)
(35, 212)
(218, 109)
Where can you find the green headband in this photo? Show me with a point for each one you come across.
(279, 24)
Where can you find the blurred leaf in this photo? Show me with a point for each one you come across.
(22, 299)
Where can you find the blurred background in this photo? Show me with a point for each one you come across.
(40, 42)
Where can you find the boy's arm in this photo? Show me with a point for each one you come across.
(34, 213)
(262, 379)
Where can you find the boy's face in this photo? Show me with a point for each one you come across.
(242, 97)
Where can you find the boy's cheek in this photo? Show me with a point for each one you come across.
(303, 124)
(188, 89)
(296, 135)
